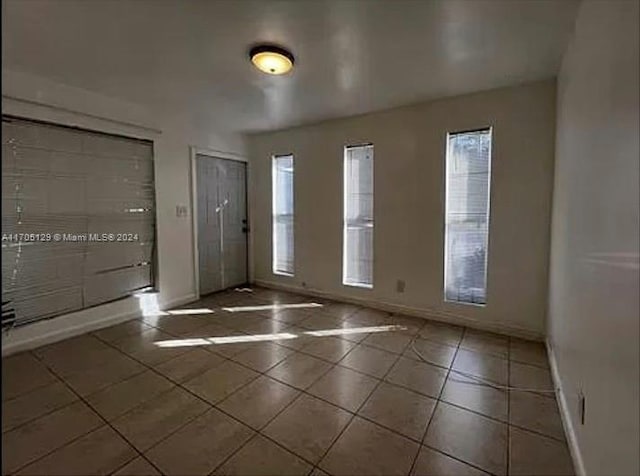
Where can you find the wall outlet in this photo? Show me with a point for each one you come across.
(581, 407)
(181, 211)
(400, 284)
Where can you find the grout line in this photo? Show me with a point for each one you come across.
(9, 430)
(94, 410)
(255, 435)
(438, 400)
(34, 389)
(179, 385)
(457, 458)
(335, 440)
(259, 432)
(301, 391)
(398, 356)
(49, 412)
(300, 350)
(68, 443)
(119, 468)
(215, 406)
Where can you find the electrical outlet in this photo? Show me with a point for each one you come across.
(581, 407)
(181, 211)
(400, 284)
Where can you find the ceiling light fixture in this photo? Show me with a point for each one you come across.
(271, 59)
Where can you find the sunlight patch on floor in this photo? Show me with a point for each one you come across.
(272, 307)
(355, 330)
(273, 337)
(187, 312)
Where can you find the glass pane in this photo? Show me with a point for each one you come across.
(358, 216)
(467, 216)
(359, 264)
(282, 177)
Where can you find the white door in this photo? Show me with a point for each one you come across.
(222, 223)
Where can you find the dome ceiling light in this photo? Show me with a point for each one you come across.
(271, 59)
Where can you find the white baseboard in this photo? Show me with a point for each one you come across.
(432, 314)
(63, 327)
(565, 413)
(179, 301)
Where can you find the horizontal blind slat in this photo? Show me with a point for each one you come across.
(283, 214)
(468, 164)
(71, 182)
(358, 220)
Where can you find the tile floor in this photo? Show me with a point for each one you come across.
(274, 394)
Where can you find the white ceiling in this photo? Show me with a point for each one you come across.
(351, 56)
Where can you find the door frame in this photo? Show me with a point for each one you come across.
(215, 154)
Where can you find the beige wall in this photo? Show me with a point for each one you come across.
(409, 199)
(593, 303)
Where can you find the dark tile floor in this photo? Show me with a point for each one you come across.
(212, 388)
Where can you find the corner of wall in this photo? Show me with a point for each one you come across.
(565, 415)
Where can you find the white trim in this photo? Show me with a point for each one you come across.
(42, 111)
(344, 214)
(425, 313)
(194, 151)
(49, 331)
(217, 154)
(358, 285)
(344, 218)
(274, 247)
(565, 413)
(283, 273)
(444, 211)
(79, 113)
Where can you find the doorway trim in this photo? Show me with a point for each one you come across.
(194, 151)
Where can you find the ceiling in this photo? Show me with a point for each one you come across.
(351, 56)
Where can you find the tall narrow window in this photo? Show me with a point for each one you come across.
(467, 216)
(282, 190)
(357, 259)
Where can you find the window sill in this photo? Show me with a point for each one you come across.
(282, 273)
(358, 285)
(465, 303)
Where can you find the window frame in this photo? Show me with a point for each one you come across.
(491, 130)
(153, 287)
(344, 217)
(274, 216)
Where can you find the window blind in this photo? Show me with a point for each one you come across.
(78, 218)
(358, 216)
(468, 169)
(282, 203)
